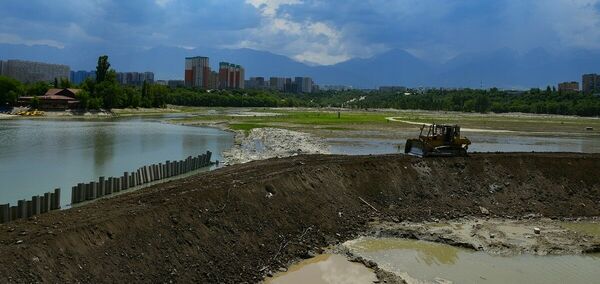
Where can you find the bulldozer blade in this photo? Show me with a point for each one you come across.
(414, 148)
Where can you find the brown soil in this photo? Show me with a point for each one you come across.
(240, 223)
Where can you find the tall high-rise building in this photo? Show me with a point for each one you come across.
(78, 77)
(277, 83)
(135, 78)
(256, 83)
(29, 71)
(1, 67)
(303, 84)
(213, 80)
(590, 83)
(289, 86)
(197, 72)
(231, 76)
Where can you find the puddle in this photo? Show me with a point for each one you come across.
(426, 262)
(325, 269)
(589, 229)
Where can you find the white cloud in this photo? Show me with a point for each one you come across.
(304, 40)
(16, 39)
(576, 22)
(270, 7)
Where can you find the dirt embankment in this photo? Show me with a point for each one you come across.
(239, 223)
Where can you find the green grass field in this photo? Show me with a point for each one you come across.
(376, 120)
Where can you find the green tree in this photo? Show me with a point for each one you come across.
(134, 97)
(158, 95)
(37, 89)
(95, 103)
(64, 83)
(35, 102)
(84, 99)
(102, 68)
(482, 103)
(9, 90)
(55, 82)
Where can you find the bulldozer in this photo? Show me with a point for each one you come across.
(438, 140)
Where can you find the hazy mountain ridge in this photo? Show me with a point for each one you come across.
(503, 67)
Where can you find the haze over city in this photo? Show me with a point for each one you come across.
(509, 44)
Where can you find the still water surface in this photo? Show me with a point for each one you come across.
(426, 262)
(325, 269)
(37, 156)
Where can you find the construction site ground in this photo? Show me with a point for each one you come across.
(241, 223)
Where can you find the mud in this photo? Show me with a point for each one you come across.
(534, 236)
(241, 223)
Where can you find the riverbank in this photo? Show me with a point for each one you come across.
(240, 223)
(6, 116)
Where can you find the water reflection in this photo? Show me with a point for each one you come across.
(422, 262)
(325, 269)
(427, 252)
(39, 155)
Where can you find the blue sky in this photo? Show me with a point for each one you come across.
(312, 31)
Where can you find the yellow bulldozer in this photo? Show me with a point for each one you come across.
(438, 140)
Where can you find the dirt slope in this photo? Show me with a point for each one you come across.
(238, 223)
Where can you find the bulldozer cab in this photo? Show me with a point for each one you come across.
(446, 132)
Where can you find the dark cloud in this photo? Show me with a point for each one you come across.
(308, 29)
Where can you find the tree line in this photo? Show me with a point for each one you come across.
(105, 92)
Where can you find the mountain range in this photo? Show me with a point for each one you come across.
(503, 68)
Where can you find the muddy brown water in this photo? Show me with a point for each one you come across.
(325, 269)
(427, 262)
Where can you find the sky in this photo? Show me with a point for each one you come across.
(316, 32)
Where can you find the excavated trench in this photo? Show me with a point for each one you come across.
(241, 223)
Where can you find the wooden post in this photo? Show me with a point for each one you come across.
(4, 213)
(22, 209)
(73, 195)
(108, 186)
(29, 206)
(14, 213)
(80, 193)
(47, 201)
(36, 205)
(101, 187)
(54, 203)
(56, 199)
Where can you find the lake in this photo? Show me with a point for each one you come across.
(37, 156)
